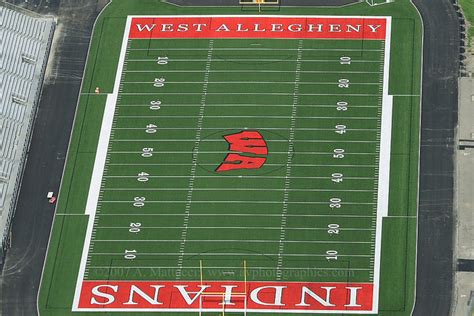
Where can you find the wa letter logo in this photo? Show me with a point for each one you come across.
(248, 151)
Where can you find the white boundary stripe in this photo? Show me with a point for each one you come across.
(384, 168)
(99, 164)
(384, 164)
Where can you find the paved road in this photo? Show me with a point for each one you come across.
(439, 119)
(31, 227)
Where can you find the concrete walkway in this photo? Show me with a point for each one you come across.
(463, 300)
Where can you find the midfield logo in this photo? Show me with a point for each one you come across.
(249, 147)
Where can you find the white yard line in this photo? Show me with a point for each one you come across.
(197, 143)
(213, 241)
(219, 152)
(235, 189)
(235, 254)
(250, 105)
(258, 49)
(236, 227)
(229, 267)
(282, 117)
(274, 83)
(258, 60)
(254, 71)
(270, 164)
(255, 93)
(250, 214)
(248, 202)
(269, 128)
(220, 140)
(254, 177)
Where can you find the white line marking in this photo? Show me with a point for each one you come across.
(213, 254)
(384, 161)
(256, 93)
(234, 189)
(259, 177)
(270, 128)
(194, 160)
(251, 116)
(269, 241)
(220, 140)
(257, 49)
(217, 152)
(259, 60)
(250, 214)
(254, 71)
(239, 201)
(235, 227)
(274, 83)
(229, 267)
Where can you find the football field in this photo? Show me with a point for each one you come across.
(242, 164)
(237, 159)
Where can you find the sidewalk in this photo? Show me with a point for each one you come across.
(463, 301)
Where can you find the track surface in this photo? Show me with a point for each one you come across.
(439, 119)
(33, 219)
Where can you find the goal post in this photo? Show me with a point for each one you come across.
(217, 302)
(257, 2)
(260, 4)
(378, 2)
(231, 273)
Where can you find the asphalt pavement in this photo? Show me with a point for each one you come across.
(439, 120)
(21, 274)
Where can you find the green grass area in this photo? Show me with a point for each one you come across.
(468, 9)
(256, 230)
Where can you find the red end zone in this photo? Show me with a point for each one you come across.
(261, 296)
(259, 27)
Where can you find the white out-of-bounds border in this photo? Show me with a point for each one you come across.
(104, 139)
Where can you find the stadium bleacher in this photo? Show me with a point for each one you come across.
(25, 40)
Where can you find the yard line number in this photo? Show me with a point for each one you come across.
(162, 61)
(345, 60)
